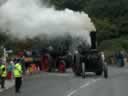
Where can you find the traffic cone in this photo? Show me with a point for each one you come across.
(30, 70)
(33, 68)
(38, 69)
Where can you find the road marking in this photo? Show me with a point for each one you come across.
(89, 83)
(83, 86)
(71, 93)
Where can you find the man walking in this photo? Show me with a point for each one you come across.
(18, 76)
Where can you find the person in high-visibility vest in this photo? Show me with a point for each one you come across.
(3, 75)
(18, 76)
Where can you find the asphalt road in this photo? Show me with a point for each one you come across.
(55, 84)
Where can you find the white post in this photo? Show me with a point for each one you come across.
(5, 56)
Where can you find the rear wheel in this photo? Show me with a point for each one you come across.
(83, 70)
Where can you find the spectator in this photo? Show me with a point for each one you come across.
(10, 68)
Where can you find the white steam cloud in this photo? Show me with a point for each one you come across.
(30, 18)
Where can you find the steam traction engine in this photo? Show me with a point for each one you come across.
(90, 60)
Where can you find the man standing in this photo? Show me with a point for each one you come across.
(18, 76)
(3, 75)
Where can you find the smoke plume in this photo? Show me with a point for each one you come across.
(30, 18)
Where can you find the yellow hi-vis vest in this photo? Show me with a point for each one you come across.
(3, 73)
(17, 70)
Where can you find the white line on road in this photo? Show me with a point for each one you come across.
(89, 83)
(71, 93)
(83, 86)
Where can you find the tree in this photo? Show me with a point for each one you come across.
(76, 5)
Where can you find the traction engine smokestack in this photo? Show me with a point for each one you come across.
(93, 40)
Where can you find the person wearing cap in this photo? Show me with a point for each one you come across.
(3, 75)
(18, 76)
